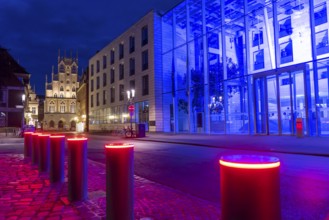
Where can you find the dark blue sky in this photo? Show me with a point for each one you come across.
(34, 30)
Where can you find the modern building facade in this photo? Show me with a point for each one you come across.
(246, 67)
(132, 61)
(60, 98)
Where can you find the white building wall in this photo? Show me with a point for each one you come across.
(101, 116)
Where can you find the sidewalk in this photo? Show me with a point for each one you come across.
(316, 146)
(27, 194)
(10, 140)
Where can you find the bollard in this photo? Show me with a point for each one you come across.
(27, 144)
(119, 181)
(35, 148)
(250, 187)
(44, 150)
(77, 169)
(57, 152)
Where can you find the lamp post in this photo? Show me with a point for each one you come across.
(23, 102)
(131, 107)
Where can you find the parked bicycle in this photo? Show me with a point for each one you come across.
(129, 132)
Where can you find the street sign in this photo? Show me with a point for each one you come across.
(131, 108)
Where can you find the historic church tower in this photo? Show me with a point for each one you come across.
(60, 100)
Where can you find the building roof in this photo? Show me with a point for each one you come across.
(9, 68)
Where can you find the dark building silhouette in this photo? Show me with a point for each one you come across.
(13, 82)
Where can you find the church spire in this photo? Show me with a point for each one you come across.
(59, 55)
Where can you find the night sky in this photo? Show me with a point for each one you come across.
(34, 30)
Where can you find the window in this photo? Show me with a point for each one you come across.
(55, 95)
(97, 82)
(285, 28)
(257, 38)
(97, 66)
(61, 88)
(61, 95)
(131, 66)
(286, 52)
(121, 71)
(145, 60)
(62, 107)
(72, 107)
(97, 99)
(132, 84)
(145, 85)
(67, 82)
(131, 44)
(34, 110)
(51, 108)
(122, 92)
(92, 100)
(74, 69)
(104, 79)
(2, 96)
(121, 50)
(322, 44)
(320, 14)
(92, 69)
(61, 68)
(112, 75)
(92, 85)
(104, 97)
(259, 59)
(73, 89)
(112, 56)
(104, 62)
(112, 95)
(144, 35)
(73, 96)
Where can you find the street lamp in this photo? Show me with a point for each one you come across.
(131, 108)
(23, 101)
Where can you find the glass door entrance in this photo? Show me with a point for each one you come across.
(279, 99)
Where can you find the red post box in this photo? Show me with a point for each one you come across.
(299, 127)
(250, 187)
(119, 181)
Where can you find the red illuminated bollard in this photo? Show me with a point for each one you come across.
(35, 148)
(250, 187)
(119, 181)
(57, 152)
(27, 144)
(77, 169)
(44, 150)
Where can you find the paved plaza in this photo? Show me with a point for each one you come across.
(27, 194)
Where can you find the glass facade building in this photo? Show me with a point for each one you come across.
(246, 67)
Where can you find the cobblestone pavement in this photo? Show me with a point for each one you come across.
(27, 194)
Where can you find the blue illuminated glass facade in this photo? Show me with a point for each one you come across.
(246, 67)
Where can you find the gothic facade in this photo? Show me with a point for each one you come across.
(60, 99)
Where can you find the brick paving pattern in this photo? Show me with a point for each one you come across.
(27, 194)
